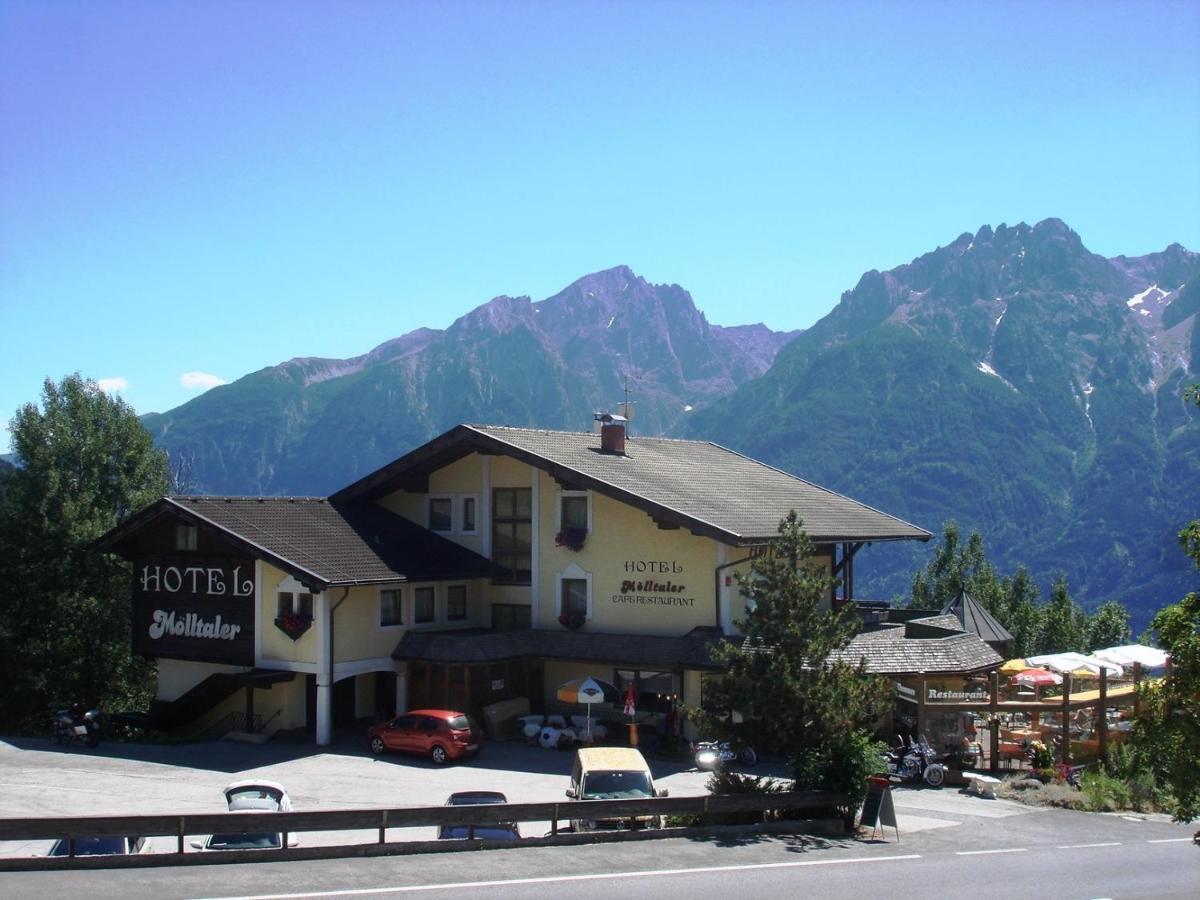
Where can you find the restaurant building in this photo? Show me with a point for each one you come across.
(490, 563)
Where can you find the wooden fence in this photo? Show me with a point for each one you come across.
(822, 804)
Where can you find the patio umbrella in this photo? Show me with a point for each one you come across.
(1037, 678)
(1148, 657)
(588, 690)
(1013, 667)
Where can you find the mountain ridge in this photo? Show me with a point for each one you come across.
(1012, 381)
(551, 363)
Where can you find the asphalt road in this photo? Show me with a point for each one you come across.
(1055, 853)
(950, 844)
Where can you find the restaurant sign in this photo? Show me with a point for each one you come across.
(650, 583)
(974, 694)
(194, 608)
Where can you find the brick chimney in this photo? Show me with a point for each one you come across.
(612, 433)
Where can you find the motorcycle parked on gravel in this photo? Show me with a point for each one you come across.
(76, 725)
(916, 762)
(711, 756)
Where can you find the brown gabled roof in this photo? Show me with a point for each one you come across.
(322, 544)
(932, 645)
(702, 486)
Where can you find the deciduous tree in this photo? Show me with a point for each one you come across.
(84, 463)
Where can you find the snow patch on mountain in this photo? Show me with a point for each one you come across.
(988, 370)
(1138, 299)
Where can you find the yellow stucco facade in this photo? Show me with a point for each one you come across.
(637, 576)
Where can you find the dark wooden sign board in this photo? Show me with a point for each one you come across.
(878, 810)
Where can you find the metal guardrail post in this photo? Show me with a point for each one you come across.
(383, 819)
(554, 822)
(179, 841)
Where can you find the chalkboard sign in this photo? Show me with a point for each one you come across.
(877, 807)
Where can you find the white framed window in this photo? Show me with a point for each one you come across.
(391, 607)
(574, 511)
(424, 605)
(468, 514)
(574, 594)
(441, 513)
(456, 603)
(293, 599)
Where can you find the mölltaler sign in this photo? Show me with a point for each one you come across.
(195, 608)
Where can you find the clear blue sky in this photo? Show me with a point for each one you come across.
(208, 187)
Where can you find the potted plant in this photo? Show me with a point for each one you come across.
(571, 538)
(572, 620)
(293, 625)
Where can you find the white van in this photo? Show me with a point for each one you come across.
(612, 773)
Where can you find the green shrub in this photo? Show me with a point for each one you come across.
(724, 783)
(1105, 793)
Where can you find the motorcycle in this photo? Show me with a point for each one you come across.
(74, 725)
(916, 762)
(710, 756)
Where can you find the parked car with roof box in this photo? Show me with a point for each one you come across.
(498, 831)
(440, 734)
(255, 796)
(612, 773)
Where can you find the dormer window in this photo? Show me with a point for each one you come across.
(186, 537)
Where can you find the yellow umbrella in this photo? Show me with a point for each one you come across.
(1014, 666)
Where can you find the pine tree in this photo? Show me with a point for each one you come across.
(1064, 624)
(793, 699)
(1108, 626)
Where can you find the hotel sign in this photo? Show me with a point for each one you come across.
(199, 608)
(648, 583)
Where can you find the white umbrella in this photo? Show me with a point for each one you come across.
(1069, 662)
(1150, 657)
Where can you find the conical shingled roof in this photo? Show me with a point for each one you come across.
(977, 620)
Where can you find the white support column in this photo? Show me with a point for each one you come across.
(258, 611)
(535, 573)
(402, 690)
(724, 598)
(324, 685)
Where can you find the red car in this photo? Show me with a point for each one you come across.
(440, 734)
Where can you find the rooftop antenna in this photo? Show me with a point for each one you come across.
(625, 407)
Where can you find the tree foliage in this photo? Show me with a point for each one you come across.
(1064, 626)
(1168, 730)
(792, 697)
(1108, 626)
(85, 463)
(1056, 626)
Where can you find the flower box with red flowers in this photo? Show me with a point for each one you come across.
(572, 620)
(294, 625)
(571, 538)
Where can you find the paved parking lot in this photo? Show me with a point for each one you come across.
(38, 778)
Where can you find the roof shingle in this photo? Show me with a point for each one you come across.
(695, 484)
